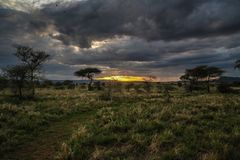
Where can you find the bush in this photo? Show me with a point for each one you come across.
(189, 87)
(224, 88)
(59, 87)
(98, 85)
(106, 95)
(71, 86)
(45, 84)
(179, 84)
(3, 83)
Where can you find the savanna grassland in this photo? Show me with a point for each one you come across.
(118, 123)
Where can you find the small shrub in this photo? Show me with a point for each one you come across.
(3, 83)
(106, 95)
(179, 84)
(71, 86)
(224, 88)
(98, 85)
(59, 87)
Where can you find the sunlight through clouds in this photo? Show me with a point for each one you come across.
(124, 37)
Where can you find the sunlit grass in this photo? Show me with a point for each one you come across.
(128, 123)
(198, 126)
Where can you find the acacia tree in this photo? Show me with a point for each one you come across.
(184, 78)
(88, 73)
(33, 60)
(193, 76)
(197, 73)
(203, 73)
(212, 72)
(17, 75)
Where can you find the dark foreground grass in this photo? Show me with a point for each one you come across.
(204, 127)
(23, 121)
(47, 142)
(122, 124)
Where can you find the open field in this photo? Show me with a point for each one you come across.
(119, 79)
(78, 124)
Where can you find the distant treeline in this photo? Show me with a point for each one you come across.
(23, 78)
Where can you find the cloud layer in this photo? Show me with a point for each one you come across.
(130, 37)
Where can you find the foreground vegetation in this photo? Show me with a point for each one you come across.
(190, 127)
(133, 123)
(22, 120)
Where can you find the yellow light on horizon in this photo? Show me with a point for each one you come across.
(123, 78)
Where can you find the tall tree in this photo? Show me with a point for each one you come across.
(17, 75)
(193, 76)
(203, 73)
(185, 78)
(88, 73)
(212, 72)
(197, 73)
(33, 60)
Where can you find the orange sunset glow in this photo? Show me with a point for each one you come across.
(124, 78)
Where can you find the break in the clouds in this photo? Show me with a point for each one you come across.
(124, 37)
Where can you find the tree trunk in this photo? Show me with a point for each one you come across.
(32, 83)
(190, 86)
(20, 91)
(90, 84)
(208, 85)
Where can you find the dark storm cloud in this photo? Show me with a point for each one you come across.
(136, 50)
(84, 21)
(20, 27)
(160, 55)
(144, 37)
(18, 22)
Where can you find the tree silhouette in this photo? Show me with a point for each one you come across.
(203, 73)
(197, 73)
(33, 60)
(184, 77)
(17, 75)
(193, 76)
(212, 72)
(88, 73)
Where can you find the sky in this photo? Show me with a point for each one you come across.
(123, 37)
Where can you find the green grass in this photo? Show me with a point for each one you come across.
(22, 121)
(134, 125)
(205, 126)
(45, 145)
